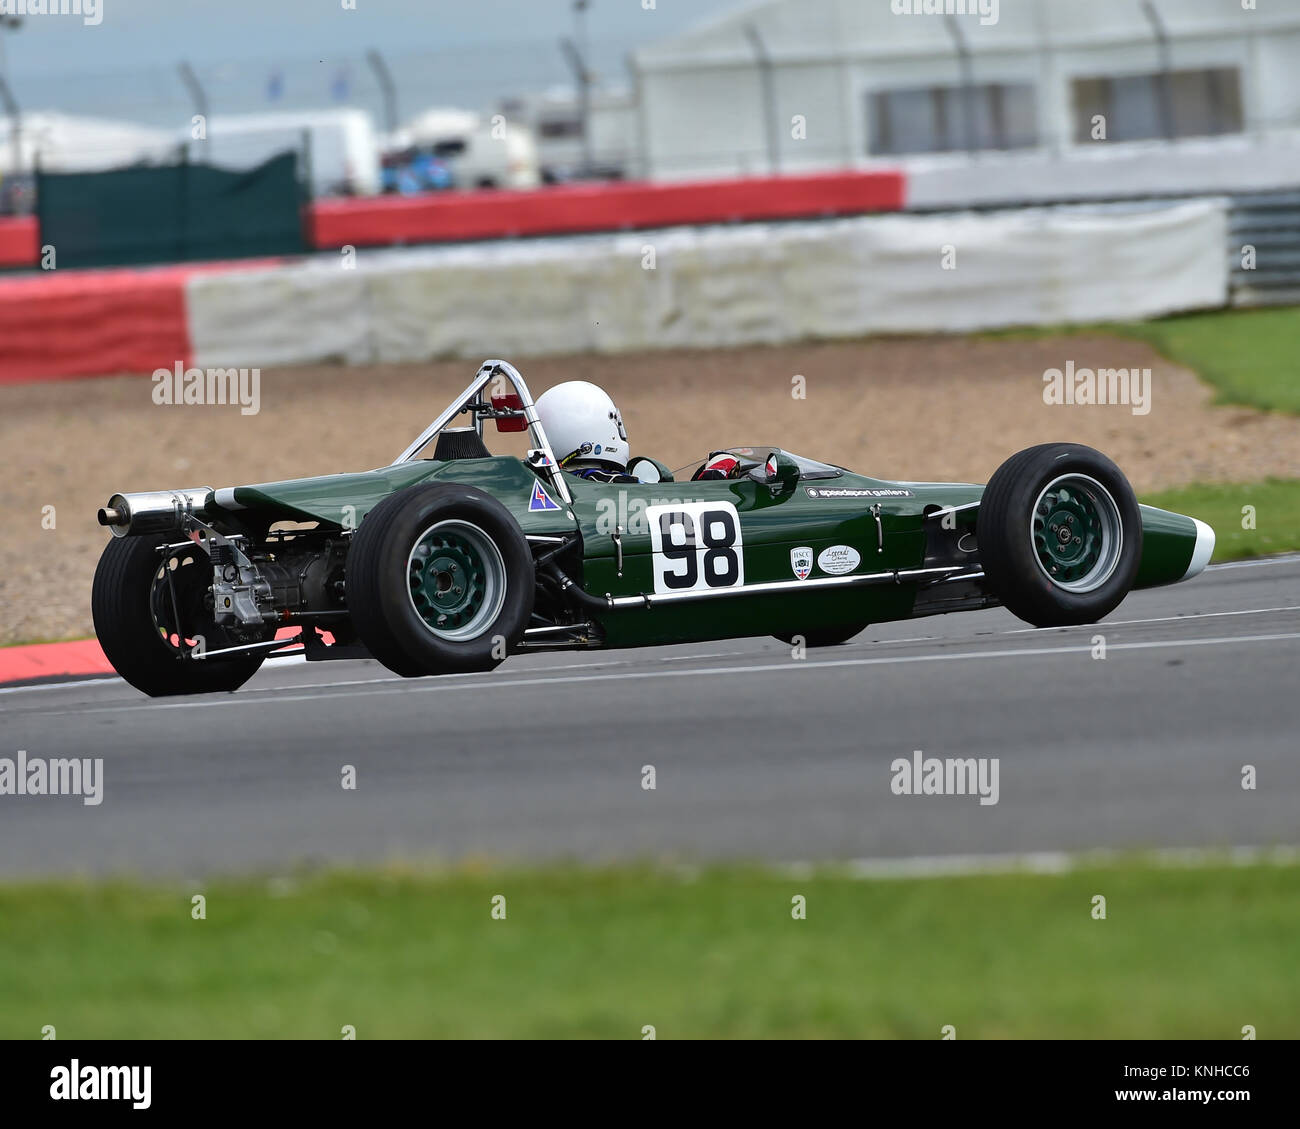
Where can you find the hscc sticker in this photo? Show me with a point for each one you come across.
(801, 560)
(696, 545)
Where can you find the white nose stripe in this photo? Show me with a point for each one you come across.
(1201, 551)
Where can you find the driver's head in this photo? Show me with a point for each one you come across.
(583, 425)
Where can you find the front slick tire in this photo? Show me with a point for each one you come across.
(1060, 535)
(440, 580)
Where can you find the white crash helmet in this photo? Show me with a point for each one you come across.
(583, 424)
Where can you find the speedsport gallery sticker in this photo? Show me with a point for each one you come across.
(836, 492)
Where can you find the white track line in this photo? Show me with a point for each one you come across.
(1158, 619)
(1049, 862)
(1263, 562)
(72, 682)
(890, 642)
(79, 682)
(501, 682)
(503, 674)
(296, 659)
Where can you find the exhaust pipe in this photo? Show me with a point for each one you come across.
(160, 511)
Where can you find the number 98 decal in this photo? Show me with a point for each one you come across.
(696, 545)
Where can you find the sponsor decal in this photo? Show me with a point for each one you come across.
(801, 561)
(849, 492)
(839, 560)
(541, 500)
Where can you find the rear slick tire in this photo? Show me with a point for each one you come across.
(135, 620)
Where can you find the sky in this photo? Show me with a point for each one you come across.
(253, 55)
(143, 32)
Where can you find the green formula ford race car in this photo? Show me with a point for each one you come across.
(449, 563)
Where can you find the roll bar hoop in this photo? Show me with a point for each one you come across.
(541, 457)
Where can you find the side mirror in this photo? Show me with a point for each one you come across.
(645, 469)
(779, 473)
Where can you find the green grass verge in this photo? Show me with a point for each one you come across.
(1276, 505)
(1249, 357)
(1191, 952)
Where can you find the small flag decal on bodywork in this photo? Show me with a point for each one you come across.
(541, 500)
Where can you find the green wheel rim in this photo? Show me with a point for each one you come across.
(1077, 532)
(457, 580)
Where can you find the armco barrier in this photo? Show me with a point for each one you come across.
(20, 241)
(387, 220)
(718, 286)
(710, 286)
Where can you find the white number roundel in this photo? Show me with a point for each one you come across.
(696, 545)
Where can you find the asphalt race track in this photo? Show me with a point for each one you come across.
(756, 755)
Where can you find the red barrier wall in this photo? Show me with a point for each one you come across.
(385, 220)
(99, 322)
(54, 324)
(50, 661)
(20, 242)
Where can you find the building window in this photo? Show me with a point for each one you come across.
(944, 119)
(556, 129)
(1145, 106)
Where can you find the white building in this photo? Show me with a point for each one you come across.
(556, 118)
(68, 143)
(1017, 93)
(339, 146)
